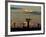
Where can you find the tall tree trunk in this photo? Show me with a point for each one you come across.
(28, 20)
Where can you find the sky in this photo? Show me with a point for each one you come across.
(33, 8)
(18, 15)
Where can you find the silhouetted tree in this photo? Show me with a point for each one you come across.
(28, 20)
(14, 24)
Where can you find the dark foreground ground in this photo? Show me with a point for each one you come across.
(25, 29)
